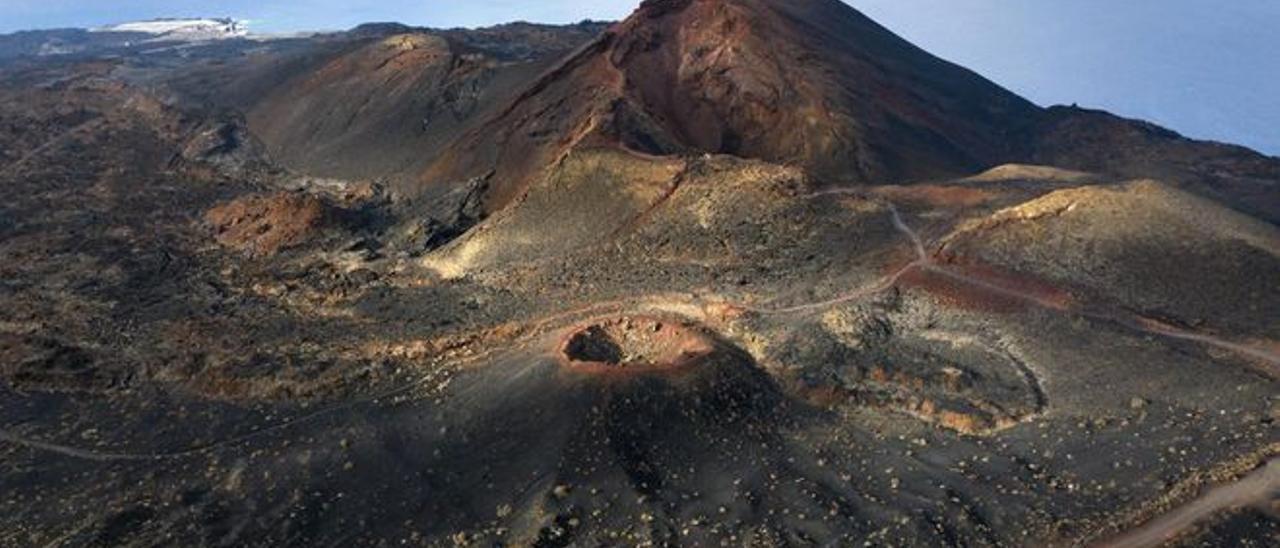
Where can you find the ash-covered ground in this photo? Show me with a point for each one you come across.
(411, 287)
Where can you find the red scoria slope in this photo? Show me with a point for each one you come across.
(807, 82)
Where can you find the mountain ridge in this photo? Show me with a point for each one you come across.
(732, 273)
(699, 76)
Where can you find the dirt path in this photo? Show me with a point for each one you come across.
(1258, 487)
(883, 284)
(108, 456)
(923, 261)
(1270, 360)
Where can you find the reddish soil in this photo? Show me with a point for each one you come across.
(809, 83)
(264, 225)
(938, 196)
(631, 344)
(980, 287)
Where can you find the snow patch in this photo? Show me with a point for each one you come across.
(185, 30)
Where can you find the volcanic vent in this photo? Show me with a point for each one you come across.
(634, 343)
(811, 83)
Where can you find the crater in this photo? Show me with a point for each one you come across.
(954, 379)
(634, 343)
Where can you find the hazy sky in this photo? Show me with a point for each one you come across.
(1207, 68)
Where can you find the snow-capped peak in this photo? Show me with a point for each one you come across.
(186, 30)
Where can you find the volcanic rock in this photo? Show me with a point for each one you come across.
(730, 272)
(812, 83)
(264, 225)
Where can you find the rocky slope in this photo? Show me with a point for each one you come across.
(1100, 142)
(386, 107)
(816, 84)
(673, 283)
(810, 83)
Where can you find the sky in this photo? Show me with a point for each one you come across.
(1207, 68)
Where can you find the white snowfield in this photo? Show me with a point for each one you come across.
(186, 30)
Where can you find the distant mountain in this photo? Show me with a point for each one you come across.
(808, 83)
(58, 42)
(123, 36)
(729, 272)
(185, 30)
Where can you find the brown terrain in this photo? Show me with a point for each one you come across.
(728, 272)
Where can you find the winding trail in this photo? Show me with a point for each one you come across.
(65, 450)
(1259, 487)
(883, 284)
(922, 261)
(106, 456)
(1267, 357)
(1270, 360)
(917, 243)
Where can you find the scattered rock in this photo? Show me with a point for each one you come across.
(264, 225)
